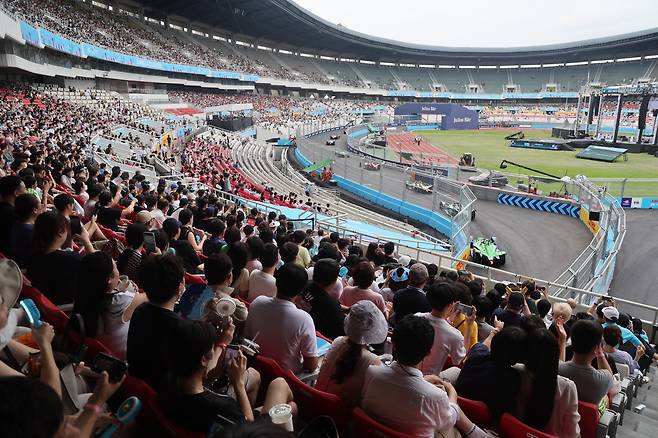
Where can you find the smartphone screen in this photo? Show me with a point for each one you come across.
(76, 227)
(465, 309)
(232, 352)
(149, 241)
(114, 367)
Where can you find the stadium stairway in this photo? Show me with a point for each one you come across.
(254, 159)
(642, 422)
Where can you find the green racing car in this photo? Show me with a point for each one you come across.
(485, 251)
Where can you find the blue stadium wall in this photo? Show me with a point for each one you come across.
(453, 116)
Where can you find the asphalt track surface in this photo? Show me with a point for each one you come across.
(636, 271)
(539, 245)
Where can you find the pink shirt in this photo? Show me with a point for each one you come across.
(353, 294)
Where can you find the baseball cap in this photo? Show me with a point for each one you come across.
(144, 216)
(418, 273)
(610, 313)
(404, 260)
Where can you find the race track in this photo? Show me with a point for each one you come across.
(540, 245)
(636, 272)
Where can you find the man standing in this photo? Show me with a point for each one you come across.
(412, 299)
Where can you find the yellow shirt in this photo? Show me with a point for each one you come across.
(460, 324)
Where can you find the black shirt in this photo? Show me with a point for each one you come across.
(409, 301)
(148, 350)
(185, 251)
(7, 220)
(109, 217)
(480, 379)
(20, 243)
(56, 275)
(197, 412)
(326, 312)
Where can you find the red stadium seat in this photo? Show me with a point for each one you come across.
(589, 419)
(364, 426)
(313, 403)
(111, 234)
(476, 411)
(511, 427)
(268, 368)
(49, 311)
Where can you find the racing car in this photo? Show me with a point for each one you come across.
(334, 137)
(418, 186)
(330, 143)
(372, 165)
(485, 251)
(489, 178)
(342, 154)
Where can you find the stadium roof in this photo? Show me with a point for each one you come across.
(284, 24)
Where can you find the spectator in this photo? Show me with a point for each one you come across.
(610, 317)
(303, 258)
(389, 249)
(20, 241)
(239, 254)
(106, 307)
(325, 310)
(154, 323)
(197, 408)
(448, 341)
(184, 250)
(52, 270)
(489, 375)
(186, 233)
(288, 252)
(255, 246)
(468, 329)
(131, 258)
(592, 384)
(108, 214)
(219, 275)
(513, 312)
(412, 299)
(612, 338)
(261, 281)
(400, 398)
(214, 244)
(343, 369)
(548, 402)
(10, 188)
(483, 312)
(363, 277)
(284, 332)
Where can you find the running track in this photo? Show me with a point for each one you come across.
(423, 153)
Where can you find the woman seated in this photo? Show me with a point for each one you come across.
(363, 276)
(344, 367)
(105, 305)
(547, 401)
(190, 403)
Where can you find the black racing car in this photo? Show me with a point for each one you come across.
(334, 137)
(331, 143)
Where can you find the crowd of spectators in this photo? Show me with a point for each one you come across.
(151, 267)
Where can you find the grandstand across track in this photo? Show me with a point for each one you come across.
(540, 245)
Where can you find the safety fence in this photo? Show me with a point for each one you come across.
(589, 276)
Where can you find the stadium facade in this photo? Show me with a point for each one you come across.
(321, 58)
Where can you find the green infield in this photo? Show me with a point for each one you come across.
(490, 148)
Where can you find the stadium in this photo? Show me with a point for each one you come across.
(239, 219)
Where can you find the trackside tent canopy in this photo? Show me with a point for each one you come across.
(317, 166)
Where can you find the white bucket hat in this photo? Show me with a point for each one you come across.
(365, 324)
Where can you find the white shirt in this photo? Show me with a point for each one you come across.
(401, 399)
(261, 283)
(284, 332)
(448, 341)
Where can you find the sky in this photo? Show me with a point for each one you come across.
(488, 23)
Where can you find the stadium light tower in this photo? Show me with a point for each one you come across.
(504, 163)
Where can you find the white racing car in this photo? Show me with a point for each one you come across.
(418, 186)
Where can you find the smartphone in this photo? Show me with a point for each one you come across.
(115, 368)
(76, 226)
(465, 309)
(149, 241)
(231, 352)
